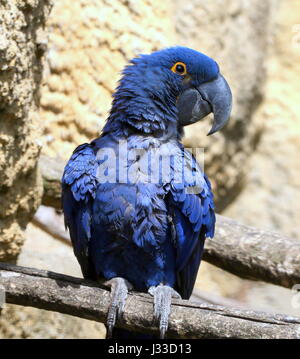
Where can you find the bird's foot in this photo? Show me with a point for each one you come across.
(163, 295)
(119, 288)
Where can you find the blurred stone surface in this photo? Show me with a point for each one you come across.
(271, 198)
(21, 45)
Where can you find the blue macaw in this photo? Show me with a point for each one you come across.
(136, 233)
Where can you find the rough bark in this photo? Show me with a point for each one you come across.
(253, 253)
(85, 299)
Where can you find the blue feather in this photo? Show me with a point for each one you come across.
(149, 233)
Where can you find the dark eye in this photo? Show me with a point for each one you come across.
(179, 68)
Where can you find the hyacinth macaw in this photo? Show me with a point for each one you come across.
(136, 233)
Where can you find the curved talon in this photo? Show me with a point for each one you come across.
(163, 295)
(119, 290)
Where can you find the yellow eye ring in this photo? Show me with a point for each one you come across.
(179, 68)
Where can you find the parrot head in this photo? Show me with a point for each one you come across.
(176, 82)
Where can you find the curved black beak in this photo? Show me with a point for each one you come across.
(197, 102)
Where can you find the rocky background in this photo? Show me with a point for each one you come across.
(21, 34)
(253, 163)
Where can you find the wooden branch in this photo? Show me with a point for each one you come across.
(242, 250)
(89, 300)
(254, 253)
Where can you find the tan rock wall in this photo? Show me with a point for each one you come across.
(21, 47)
(275, 166)
(90, 42)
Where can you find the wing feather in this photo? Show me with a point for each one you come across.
(79, 186)
(194, 220)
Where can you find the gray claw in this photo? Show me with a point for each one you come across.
(163, 295)
(119, 288)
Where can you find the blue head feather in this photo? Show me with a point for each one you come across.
(145, 100)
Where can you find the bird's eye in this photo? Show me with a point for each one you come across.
(179, 68)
